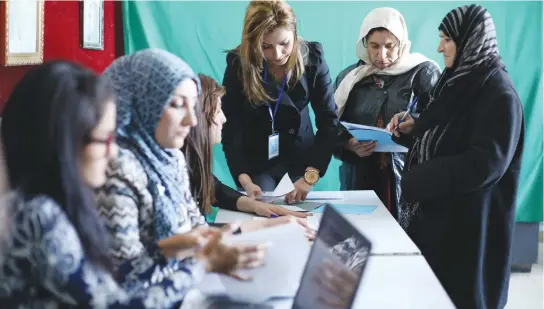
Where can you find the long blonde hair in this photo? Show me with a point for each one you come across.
(263, 17)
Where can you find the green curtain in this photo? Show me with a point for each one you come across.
(200, 31)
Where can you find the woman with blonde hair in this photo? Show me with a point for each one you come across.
(271, 78)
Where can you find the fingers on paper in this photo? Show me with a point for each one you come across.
(290, 197)
(252, 256)
(257, 191)
(286, 212)
(240, 277)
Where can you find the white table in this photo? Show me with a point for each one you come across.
(400, 282)
(396, 276)
(387, 237)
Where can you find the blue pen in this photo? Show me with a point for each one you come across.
(413, 102)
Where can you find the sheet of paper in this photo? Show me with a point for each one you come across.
(368, 133)
(350, 209)
(302, 206)
(284, 186)
(294, 208)
(279, 277)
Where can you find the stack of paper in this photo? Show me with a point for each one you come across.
(382, 136)
(284, 186)
(279, 277)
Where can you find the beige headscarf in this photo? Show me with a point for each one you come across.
(393, 21)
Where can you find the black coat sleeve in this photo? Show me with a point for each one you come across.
(233, 106)
(342, 135)
(424, 82)
(498, 121)
(225, 196)
(220, 225)
(326, 115)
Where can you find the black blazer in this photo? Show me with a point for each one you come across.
(225, 196)
(246, 132)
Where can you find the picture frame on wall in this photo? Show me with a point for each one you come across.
(21, 32)
(92, 24)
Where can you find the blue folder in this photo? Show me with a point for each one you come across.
(383, 137)
(349, 209)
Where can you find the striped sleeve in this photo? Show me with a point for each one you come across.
(126, 207)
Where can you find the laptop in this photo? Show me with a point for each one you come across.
(333, 272)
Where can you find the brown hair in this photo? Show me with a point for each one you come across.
(261, 18)
(198, 147)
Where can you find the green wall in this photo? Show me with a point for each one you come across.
(199, 32)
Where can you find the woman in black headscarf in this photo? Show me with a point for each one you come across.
(461, 175)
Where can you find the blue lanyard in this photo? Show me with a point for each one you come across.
(273, 114)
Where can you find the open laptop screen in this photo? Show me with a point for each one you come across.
(335, 265)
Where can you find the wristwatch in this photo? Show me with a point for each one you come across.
(311, 176)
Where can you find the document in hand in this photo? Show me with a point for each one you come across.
(279, 277)
(367, 133)
(284, 186)
(299, 207)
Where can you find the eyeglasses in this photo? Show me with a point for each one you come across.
(108, 141)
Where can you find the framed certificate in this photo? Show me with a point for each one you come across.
(92, 24)
(21, 31)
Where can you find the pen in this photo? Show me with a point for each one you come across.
(413, 102)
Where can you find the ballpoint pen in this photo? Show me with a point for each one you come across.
(413, 102)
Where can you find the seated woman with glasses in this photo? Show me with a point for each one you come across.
(53, 246)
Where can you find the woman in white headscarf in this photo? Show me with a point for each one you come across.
(383, 83)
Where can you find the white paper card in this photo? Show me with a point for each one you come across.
(279, 277)
(284, 186)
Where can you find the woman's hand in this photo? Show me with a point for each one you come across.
(224, 258)
(405, 127)
(252, 190)
(174, 246)
(254, 225)
(217, 256)
(362, 149)
(302, 188)
(269, 210)
(262, 209)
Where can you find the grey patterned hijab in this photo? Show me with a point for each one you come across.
(144, 83)
(473, 31)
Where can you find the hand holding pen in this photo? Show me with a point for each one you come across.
(403, 122)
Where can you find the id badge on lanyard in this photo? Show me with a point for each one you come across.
(273, 146)
(274, 138)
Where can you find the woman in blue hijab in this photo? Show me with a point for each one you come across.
(147, 198)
